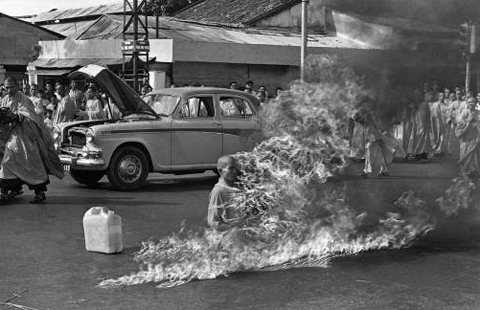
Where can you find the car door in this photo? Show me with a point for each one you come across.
(241, 131)
(196, 134)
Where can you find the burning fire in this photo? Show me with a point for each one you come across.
(290, 219)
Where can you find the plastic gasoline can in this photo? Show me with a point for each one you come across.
(103, 231)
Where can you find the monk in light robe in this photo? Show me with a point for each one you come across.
(29, 155)
(378, 149)
(65, 111)
(437, 133)
(356, 139)
(467, 132)
(407, 128)
(452, 113)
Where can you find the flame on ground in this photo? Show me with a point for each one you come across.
(290, 221)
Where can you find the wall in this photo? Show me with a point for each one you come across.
(81, 49)
(236, 53)
(161, 49)
(17, 40)
(221, 74)
(407, 67)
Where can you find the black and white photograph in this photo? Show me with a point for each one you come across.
(240, 154)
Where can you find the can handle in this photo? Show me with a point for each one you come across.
(98, 210)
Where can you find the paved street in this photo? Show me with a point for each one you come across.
(43, 255)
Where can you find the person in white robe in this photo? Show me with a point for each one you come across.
(467, 131)
(437, 133)
(379, 149)
(93, 107)
(65, 110)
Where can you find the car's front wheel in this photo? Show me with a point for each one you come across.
(128, 169)
(89, 178)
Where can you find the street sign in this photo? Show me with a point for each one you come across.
(135, 46)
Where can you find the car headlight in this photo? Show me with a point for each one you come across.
(56, 133)
(89, 136)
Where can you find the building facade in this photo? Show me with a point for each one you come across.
(19, 45)
(217, 41)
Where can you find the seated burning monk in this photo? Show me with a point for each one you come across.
(220, 216)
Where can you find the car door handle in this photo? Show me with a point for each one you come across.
(217, 123)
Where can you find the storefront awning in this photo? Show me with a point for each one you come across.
(75, 62)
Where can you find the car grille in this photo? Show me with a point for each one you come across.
(76, 138)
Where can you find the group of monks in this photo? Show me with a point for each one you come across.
(443, 124)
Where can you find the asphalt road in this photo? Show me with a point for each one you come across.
(42, 252)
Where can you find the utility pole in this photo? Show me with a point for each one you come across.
(470, 33)
(303, 50)
(135, 43)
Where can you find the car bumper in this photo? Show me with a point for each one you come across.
(69, 161)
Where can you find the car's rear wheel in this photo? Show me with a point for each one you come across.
(128, 168)
(89, 178)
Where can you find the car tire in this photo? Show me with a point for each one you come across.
(88, 178)
(128, 169)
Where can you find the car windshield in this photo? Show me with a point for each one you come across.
(163, 104)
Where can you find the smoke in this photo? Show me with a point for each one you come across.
(292, 217)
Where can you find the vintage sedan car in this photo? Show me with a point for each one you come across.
(179, 131)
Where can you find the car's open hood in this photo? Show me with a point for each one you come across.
(121, 94)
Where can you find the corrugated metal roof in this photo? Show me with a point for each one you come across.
(110, 27)
(53, 15)
(234, 13)
(71, 30)
(105, 27)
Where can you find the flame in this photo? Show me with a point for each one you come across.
(275, 244)
(290, 221)
(457, 196)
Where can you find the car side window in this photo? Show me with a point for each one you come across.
(198, 107)
(235, 107)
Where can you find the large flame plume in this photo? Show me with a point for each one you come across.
(291, 218)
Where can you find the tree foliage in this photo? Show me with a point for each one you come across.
(166, 7)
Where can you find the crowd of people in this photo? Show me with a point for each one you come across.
(261, 93)
(444, 123)
(59, 103)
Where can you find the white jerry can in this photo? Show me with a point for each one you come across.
(103, 230)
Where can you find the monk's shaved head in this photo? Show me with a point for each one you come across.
(225, 161)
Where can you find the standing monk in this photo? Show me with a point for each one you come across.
(379, 149)
(468, 135)
(28, 150)
(422, 144)
(437, 134)
(65, 111)
(77, 96)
